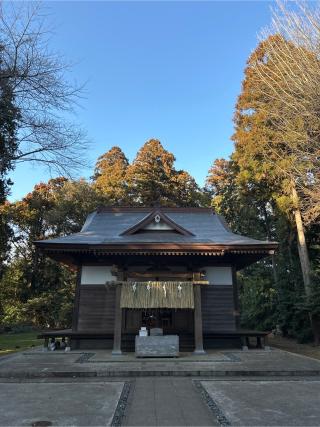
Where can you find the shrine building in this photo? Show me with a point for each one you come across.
(166, 269)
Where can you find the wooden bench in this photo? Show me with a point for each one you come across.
(72, 336)
(244, 335)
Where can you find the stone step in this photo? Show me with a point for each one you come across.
(122, 373)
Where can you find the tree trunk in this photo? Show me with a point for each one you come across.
(291, 238)
(302, 245)
(269, 236)
(304, 259)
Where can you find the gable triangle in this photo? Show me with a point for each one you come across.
(157, 220)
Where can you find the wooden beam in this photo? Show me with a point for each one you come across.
(201, 282)
(116, 351)
(122, 282)
(188, 247)
(198, 334)
(76, 304)
(153, 274)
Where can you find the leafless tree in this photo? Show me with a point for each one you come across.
(293, 82)
(42, 93)
(290, 74)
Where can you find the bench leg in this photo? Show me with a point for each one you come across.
(45, 344)
(259, 342)
(74, 343)
(266, 343)
(244, 344)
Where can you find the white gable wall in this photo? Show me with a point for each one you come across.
(218, 275)
(157, 226)
(96, 275)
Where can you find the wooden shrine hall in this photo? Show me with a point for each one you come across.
(166, 269)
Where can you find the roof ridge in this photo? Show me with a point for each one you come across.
(88, 221)
(152, 208)
(224, 223)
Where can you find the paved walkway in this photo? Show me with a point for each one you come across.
(167, 402)
(160, 402)
(263, 388)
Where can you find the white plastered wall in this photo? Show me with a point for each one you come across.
(218, 275)
(96, 275)
(157, 226)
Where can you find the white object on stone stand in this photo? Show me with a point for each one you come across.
(143, 332)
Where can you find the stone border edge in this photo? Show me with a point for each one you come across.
(84, 357)
(122, 405)
(229, 357)
(213, 407)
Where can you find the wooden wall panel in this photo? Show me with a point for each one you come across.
(183, 321)
(217, 308)
(97, 309)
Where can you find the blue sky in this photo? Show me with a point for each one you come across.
(166, 70)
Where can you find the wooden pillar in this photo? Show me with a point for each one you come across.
(76, 304)
(236, 305)
(198, 334)
(116, 351)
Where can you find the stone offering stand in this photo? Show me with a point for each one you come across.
(157, 346)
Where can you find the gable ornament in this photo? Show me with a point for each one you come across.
(157, 218)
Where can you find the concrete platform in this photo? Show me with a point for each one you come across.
(265, 403)
(38, 364)
(61, 404)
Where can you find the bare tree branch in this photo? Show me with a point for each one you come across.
(42, 93)
(290, 79)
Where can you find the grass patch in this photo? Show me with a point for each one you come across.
(10, 343)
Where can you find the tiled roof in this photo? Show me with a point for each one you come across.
(105, 226)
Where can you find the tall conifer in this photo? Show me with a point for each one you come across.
(266, 146)
(110, 175)
(150, 176)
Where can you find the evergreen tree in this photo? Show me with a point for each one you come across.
(35, 289)
(110, 176)
(150, 176)
(187, 192)
(152, 179)
(271, 289)
(271, 152)
(267, 153)
(260, 184)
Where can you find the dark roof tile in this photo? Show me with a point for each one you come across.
(105, 226)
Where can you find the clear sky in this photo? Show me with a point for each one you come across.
(166, 70)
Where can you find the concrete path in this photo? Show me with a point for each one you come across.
(167, 402)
